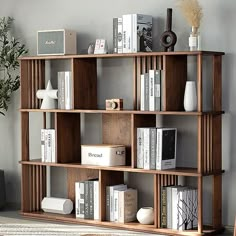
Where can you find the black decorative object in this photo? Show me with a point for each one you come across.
(168, 38)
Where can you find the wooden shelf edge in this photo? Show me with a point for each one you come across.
(178, 171)
(181, 113)
(134, 226)
(121, 55)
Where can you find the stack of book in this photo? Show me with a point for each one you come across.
(132, 33)
(179, 207)
(156, 148)
(48, 145)
(121, 203)
(87, 199)
(150, 90)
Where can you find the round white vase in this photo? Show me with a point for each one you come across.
(190, 96)
(145, 215)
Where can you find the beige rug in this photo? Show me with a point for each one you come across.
(62, 229)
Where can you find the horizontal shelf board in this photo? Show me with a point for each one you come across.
(182, 113)
(122, 55)
(127, 226)
(178, 171)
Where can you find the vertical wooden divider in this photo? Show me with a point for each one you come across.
(173, 82)
(199, 83)
(117, 130)
(67, 126)
(107, 178)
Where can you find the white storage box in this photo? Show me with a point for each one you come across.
(103, 155)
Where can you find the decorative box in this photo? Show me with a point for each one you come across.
(103, 155)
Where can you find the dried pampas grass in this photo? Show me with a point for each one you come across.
(192, 11)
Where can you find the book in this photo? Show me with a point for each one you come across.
(142, 33)
(140, 147)
(128, 204)
(137, 33)
(176, 191)
(51, 133)
(154, 90)
(81, 199)
(43, 145)
(86, 200)
(163, 207)
(127, 33)
(96, 199)
(112, 204)
(144, 92)
(91, 199)
(65, 90)
(149, 148)
(77, 199)
(166, 148)
(117, 35)
(107, 203)
(120, 36)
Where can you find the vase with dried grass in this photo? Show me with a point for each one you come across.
(193, 14)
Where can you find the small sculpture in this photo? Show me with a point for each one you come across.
(168, 38)
(48, 95)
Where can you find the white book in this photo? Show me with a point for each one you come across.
(47, 149)
(53, 145)
(169, 206)
(81, 200)
(77, 200)
(175, 194)
(154, 90)
(149, 148)
(166, 148)
(96, 199)
(112, 188)
(140, 148)
(120, 35)
(127, 33)
(116, 205)
(144, 92)
(68, 91)
(151, 90)
(43, 145)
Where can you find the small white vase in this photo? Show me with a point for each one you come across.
(145, 215)
(190, 96)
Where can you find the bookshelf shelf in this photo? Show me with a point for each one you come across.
(121, 127)
(137, 112)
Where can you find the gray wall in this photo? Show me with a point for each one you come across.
(93, 19)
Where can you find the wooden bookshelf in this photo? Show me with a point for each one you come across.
(120, 127)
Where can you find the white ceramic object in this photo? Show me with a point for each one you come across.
(49, 96)
(145, 215)
(190, 96)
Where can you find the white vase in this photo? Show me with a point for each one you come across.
(190, 96)
(145, 215)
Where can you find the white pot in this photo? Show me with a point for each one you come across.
(145, 215)
(190, 96)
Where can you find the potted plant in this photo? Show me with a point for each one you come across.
(10, 51)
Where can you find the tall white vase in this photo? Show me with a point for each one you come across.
(190, 96)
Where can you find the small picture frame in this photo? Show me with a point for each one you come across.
(101, 46)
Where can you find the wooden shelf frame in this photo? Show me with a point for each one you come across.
(125, 123)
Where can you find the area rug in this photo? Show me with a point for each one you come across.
(65, 230)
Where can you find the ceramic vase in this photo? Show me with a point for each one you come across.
(190, 96)
(145, 215)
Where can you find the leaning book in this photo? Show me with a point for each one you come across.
(166, 148)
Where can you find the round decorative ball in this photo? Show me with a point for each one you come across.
(145, 215)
